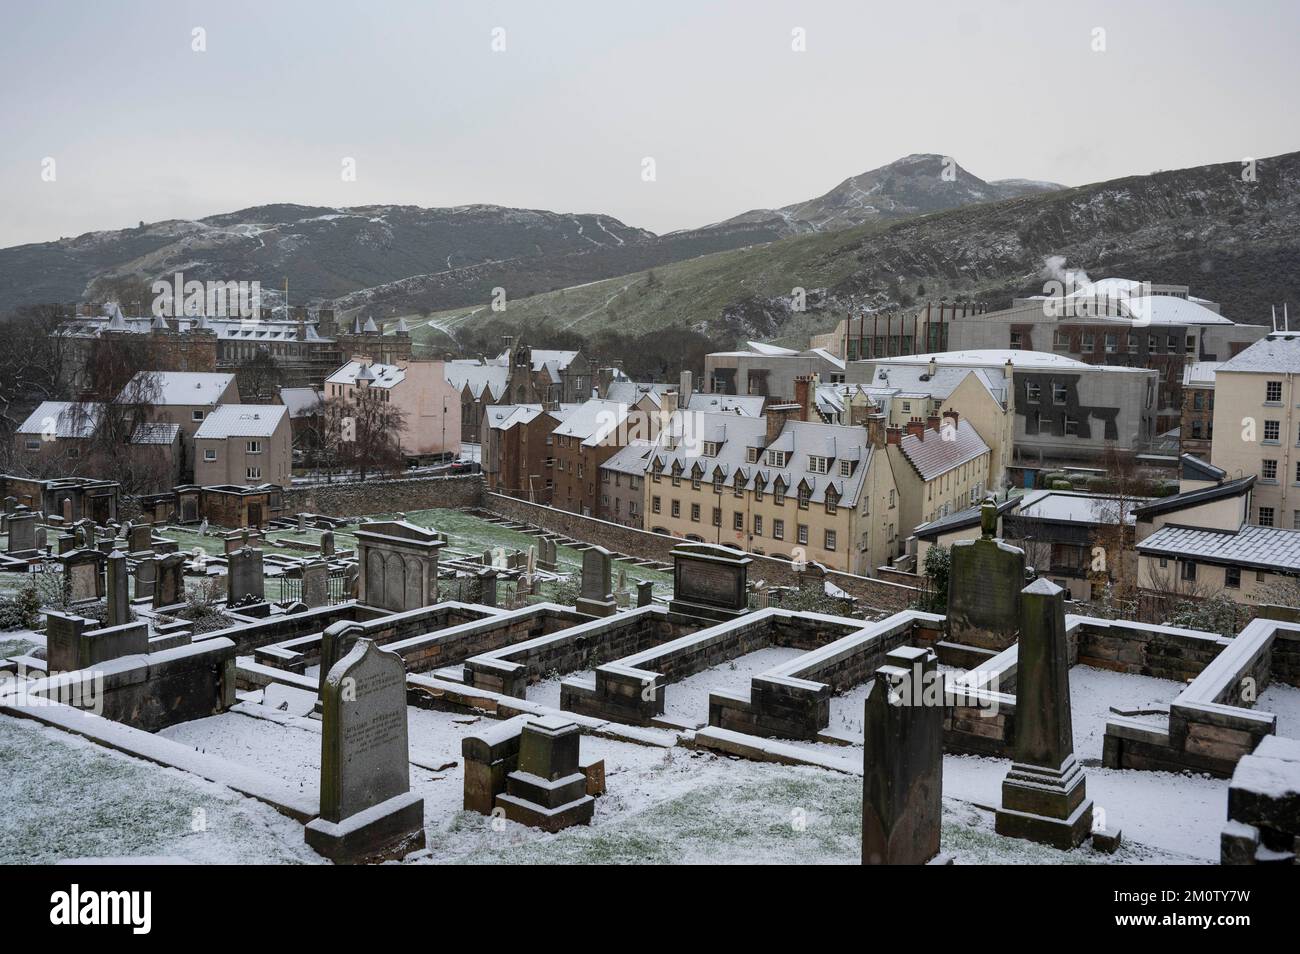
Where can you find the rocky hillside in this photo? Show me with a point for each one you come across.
(410, 259)
(1232, 241)
(913, 185)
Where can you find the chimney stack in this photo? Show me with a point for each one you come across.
(876, 430)
(803, 395)
(916, 429)
(893, 434)
(776, 417)
(932, 422)
(933, 368)
(952, 413)
(685, 387)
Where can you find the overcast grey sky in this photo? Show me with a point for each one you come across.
(141, 126)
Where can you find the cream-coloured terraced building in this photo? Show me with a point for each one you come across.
(1257, 429)
(940, 467)
(777, 485)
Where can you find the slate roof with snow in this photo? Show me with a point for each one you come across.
(998, 357)
(742, 405)
(1193, 468)
(1200, 374)
(301, 402)
(478, 376)
(1265, 548)
(185, 387)
(681, 445)
(1275, 353)
(379, 375)
(64, 419)
(241, 420)
(1193, 498)
(970, 517)
(629, 392)
(916, 380)
(593, 421)
(1072, 506)
(932, 456)
(631, 459)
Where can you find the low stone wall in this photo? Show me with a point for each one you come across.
(878, 593)
(632, 689)
(299, 645)
(792, 700)
(1212, 723)
(151, 691)
(509, 671)
(376, 495)
(1164, 652)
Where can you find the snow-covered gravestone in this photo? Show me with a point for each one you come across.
(1044, 795)
(367, 810)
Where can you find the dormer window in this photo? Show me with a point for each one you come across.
(818, 465)
(846, 468)
(777, 458)
(710, 449)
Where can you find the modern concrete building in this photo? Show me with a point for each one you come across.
(1065, 410)
(768, 371)
(1257, 429)
(1112, 322)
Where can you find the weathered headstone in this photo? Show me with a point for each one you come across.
(645, 593)
(984, 585)
(595, 598)
(119, 589)
(546, 555)
(302, 522)
(83, 575)
(548, 790)
(169, 587)
(709, 582)
(65, 542)
(67, 510)
(40, 539)
(1044, 796)
(367, 810)
(622, 595)
(140, 537)
(22, 531)
(203, 527)
(146, 577)
(902, 765)
(487, 579)
(399, 565)
(336, 642)
(315, 584)
(244, 582)
(327, 543)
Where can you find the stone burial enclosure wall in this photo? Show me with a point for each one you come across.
(1212, 723)
(353, 498)
(298, 650)
(793, 700)
(632, 689)
(882, 594)
(510, 670)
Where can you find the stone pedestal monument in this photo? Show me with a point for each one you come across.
(548, 790)
(984, 586)
(709, 582)
(902, 765)
(367, 810)
(1044, 796)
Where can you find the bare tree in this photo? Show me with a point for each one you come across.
(260, 378)
(365, 433)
